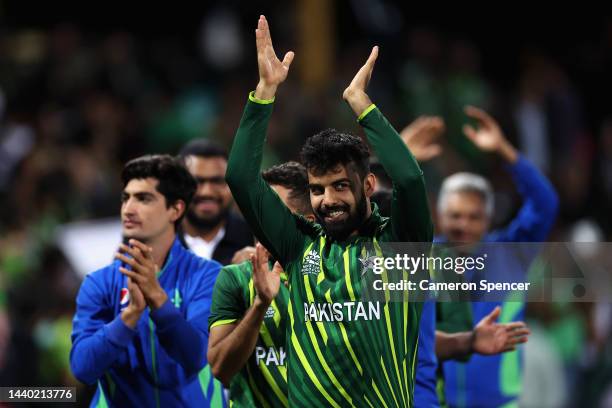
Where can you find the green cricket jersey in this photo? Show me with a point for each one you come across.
(263, 380)
(341, 349)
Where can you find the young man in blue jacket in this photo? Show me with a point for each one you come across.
(140, 330)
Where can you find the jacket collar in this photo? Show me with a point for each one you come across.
(175, 253)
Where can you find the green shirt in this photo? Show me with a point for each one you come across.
(263, 380)
(341, 351)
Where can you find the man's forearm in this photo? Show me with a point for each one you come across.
(229, 355)
(269, 219)
(508, 152)
(449, 346)
(359, 101)
(93, 353)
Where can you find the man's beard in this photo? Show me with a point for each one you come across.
(342, 229)
(206, 223)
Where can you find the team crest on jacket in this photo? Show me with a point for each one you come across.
(310, 265)
(125, 298)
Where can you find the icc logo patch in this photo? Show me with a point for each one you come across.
(310, 264)
(269, 312)
(125, 298)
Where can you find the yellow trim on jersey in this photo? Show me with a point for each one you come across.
(223, 322)
(414, 357)
(350, 348)
(251, 292)
(347, 274)
(252, 98)
(277, 313)
(382, 364)
(272, 383)
(310, 298)
(377, 391)
(265, 336)
(390, 335)
(345, 336)
(405, 364)
(306, 364)
(256, 391)
(321, 275)
(328, 296)
(329, 372)
(366, 111)
(368, 401)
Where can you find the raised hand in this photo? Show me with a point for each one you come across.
(421, 137)
(494, 338)
(266, 282)
(488, 136)
(355, 94)
(272, 71)
(143, 272)
(243, 254)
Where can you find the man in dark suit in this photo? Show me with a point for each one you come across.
(211, 229)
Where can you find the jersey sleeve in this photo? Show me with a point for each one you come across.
(270, 220)
(228, 303)
(539, 209)
(410, 215)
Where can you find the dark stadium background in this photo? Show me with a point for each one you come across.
(80, 127)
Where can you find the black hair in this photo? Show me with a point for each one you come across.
(293, 176)
(383, 181)
(327, 149)
(202, 148)
(174, 180)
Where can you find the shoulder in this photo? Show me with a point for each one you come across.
(103, 275)
(243, 268)
(308, 228)
(100, 283)
(241, 273)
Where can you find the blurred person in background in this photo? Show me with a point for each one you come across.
(212, 229)
(465, 209)
(140, 329)
(445, 330)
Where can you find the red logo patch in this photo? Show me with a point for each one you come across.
(125, 297)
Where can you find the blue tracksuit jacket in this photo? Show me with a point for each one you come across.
(162, 362)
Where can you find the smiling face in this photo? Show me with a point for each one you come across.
(340, 200)
(145, 215)
(213, 198)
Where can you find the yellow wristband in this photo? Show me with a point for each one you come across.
(365, 112)
(252, 98)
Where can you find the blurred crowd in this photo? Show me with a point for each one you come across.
(76, 105)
